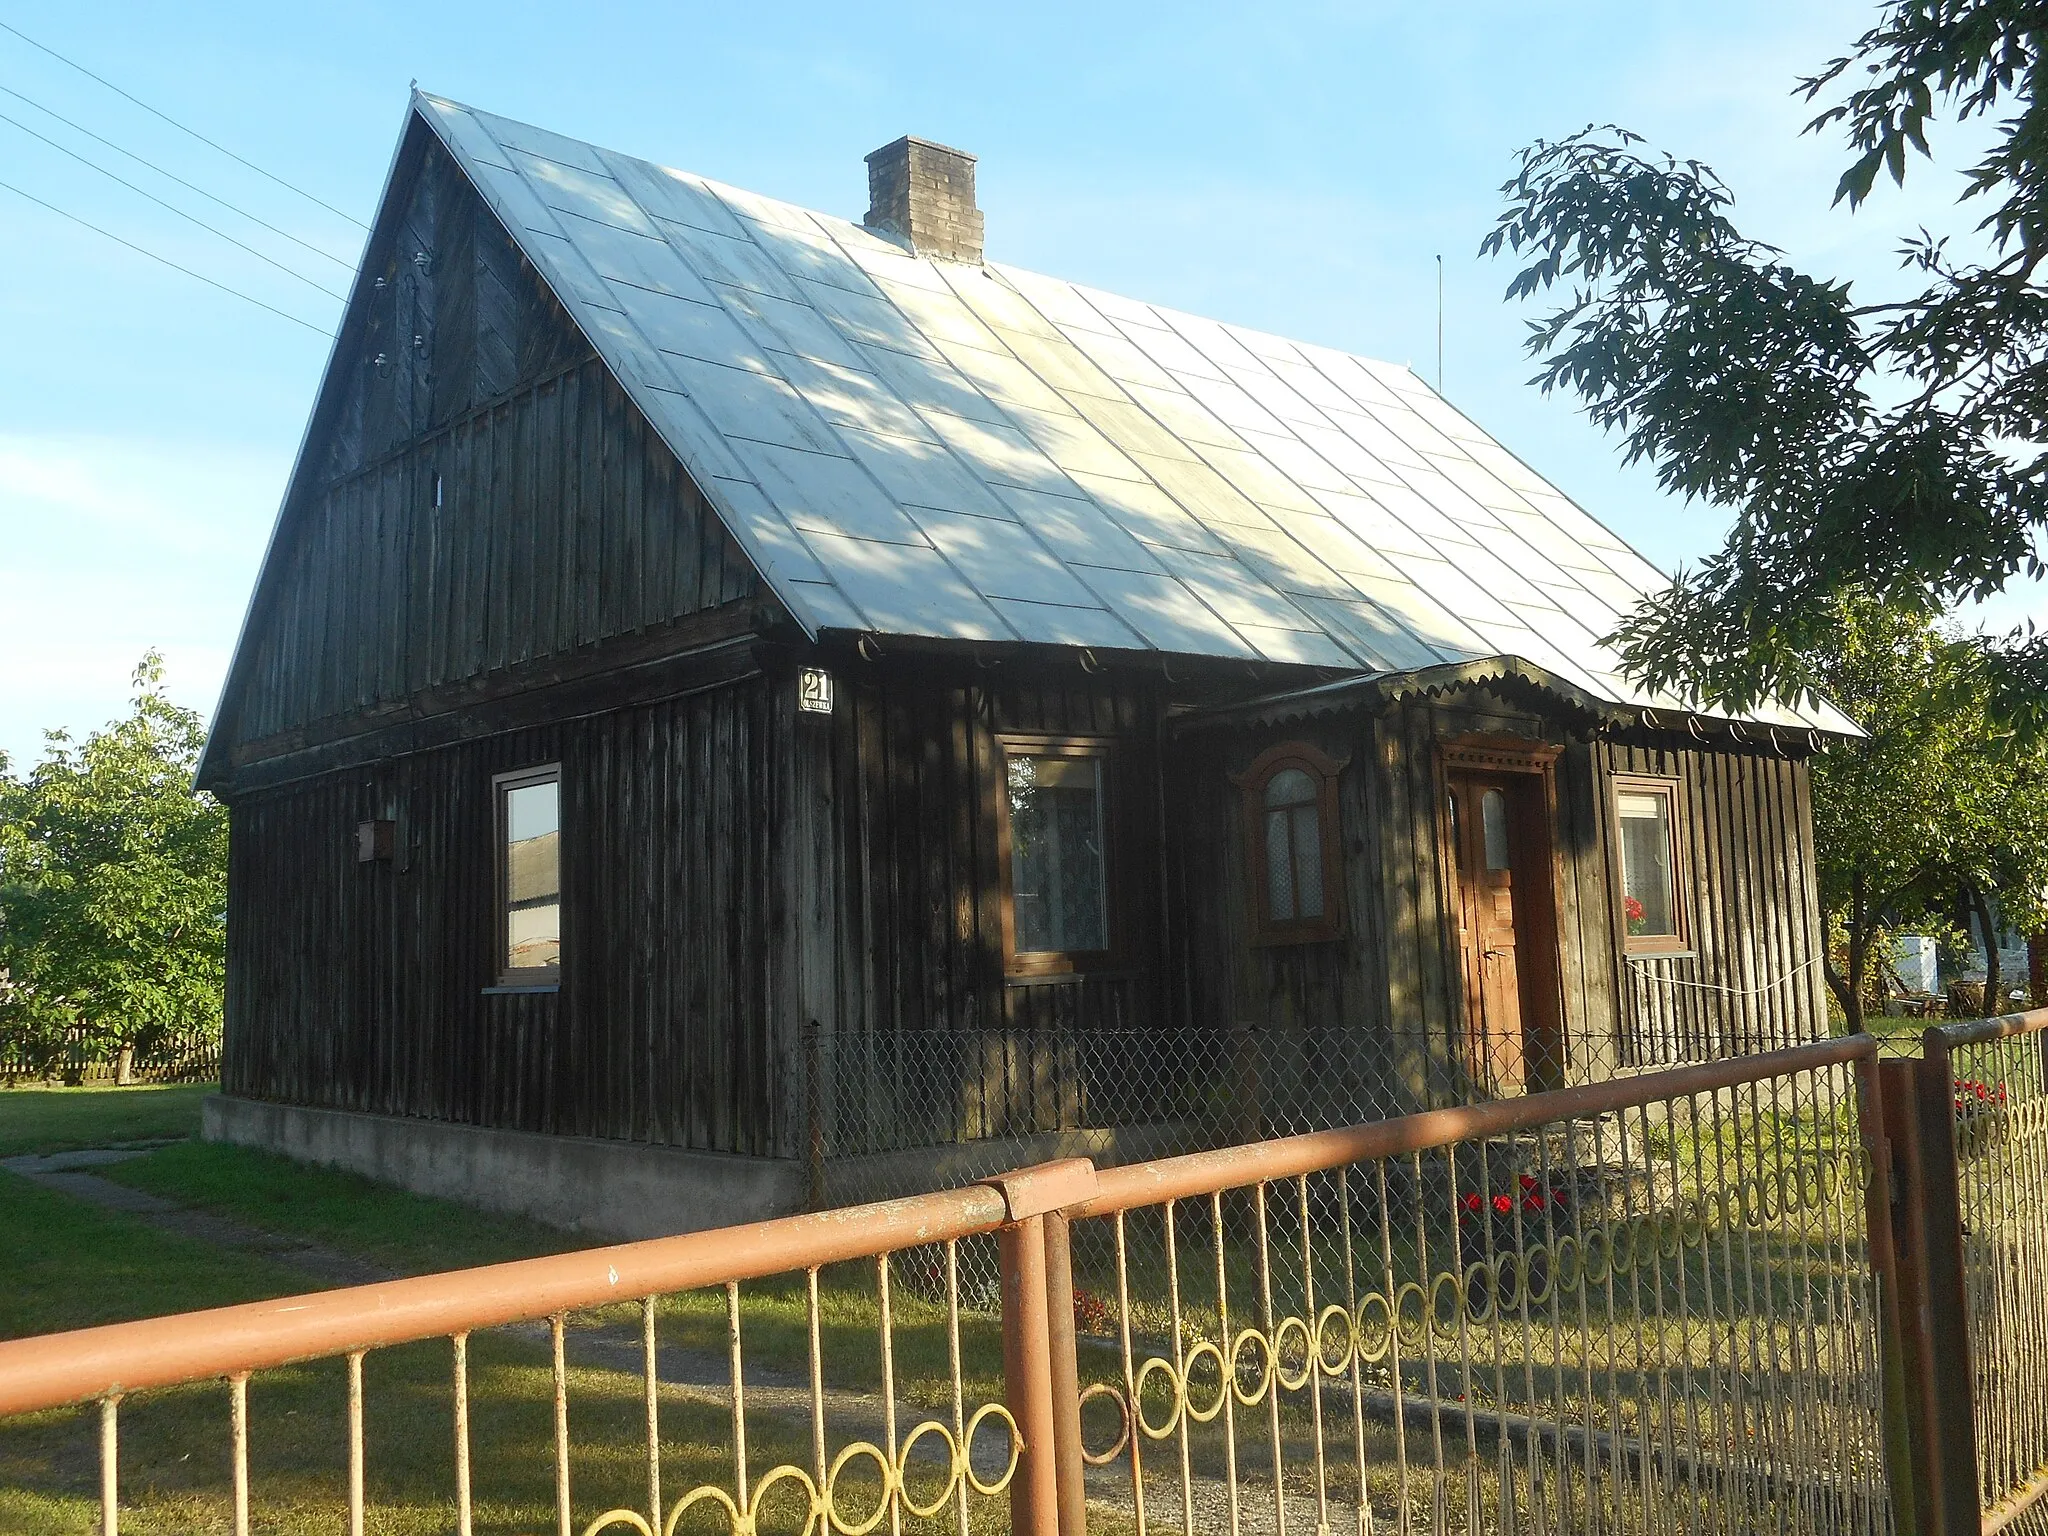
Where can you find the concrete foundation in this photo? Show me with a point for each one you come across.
(614, 1188)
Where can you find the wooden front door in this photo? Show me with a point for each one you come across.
(1501, 850)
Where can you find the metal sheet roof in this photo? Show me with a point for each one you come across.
(928, 448)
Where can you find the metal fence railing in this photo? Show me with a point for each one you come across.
(1644, 1305)
(1639, 1305)
(185, 1057)
(1990, 1073)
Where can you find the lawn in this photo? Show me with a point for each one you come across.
(67, 1264)
(385, 1225)
(39, 1118)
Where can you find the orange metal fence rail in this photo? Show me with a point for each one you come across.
(1651, 1303)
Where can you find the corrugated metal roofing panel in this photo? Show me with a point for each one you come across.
(1000, 559)
(977, 452)
(1080, 532)
(920, 473)
(1168, 615)
(782, 325)
(907, 590)
(1060, 624)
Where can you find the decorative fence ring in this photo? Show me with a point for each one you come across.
(1669, 1227)
(1123, 1418)
(1623, 1243)
(1362, 1331)
(1294, 1382)
(1546, 1252)
(874, 1453)
(1595, 1270)
(1343, 1361)
(1692, 1221)
(1265, 1367)
(1481, 1281)
(1203, 1351)
(1156, 1365)
(815, 1511)
(1418, 1337)
(991, 1411)
(1434, 1314)
(953, 1458)
(1507, 1298)
(1570, 1276)
(613, 1519)
(709, 1494)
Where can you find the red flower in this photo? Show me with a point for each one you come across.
(1632, 909)
(1503, 1203)
(1470, 1202)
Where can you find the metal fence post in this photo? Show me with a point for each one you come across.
(1027, 1378)
(1935, 1385)
(1070, 1473)
(1898, 1255)
(1038, 1348)
(1953, 1382)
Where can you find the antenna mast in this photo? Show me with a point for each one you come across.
(1439, 323)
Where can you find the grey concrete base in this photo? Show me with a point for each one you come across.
(615, 1188)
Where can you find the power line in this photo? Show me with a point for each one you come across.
(165, 260)
(174, 176)
(173, 207)
(193, 132)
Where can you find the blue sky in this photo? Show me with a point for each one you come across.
(1297, 168)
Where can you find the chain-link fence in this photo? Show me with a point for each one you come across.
(897, 1113)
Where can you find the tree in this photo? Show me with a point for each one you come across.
(1934, 805)
(113, 884)
(1876, 447)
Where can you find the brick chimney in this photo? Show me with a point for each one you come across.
(924, 192)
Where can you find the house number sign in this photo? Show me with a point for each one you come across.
(814, 691)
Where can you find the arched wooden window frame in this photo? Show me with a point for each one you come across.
(1324, 770)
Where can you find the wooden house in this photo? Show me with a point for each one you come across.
(703, 639)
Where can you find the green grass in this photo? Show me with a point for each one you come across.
(47, 1119)
(385, 1225)
(65, 1264)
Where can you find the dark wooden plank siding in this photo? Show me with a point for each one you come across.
(906, 777)
(1393, 975)
(1752, 981)
(477, 492)
(384, 594)
(364, 986)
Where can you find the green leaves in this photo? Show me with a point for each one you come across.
(113, 883)
(1861, 448)
(1940, 797)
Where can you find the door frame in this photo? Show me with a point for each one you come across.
(1542, 983)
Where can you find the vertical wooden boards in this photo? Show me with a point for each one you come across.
(1751, 979)
(386, 593)
(368, 986)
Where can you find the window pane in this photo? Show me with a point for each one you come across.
(1290, 786)
(1493, 823)
(1058, 874)
(1279, 869)
(533, 876)
(1308, 860)
(1648, 898)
